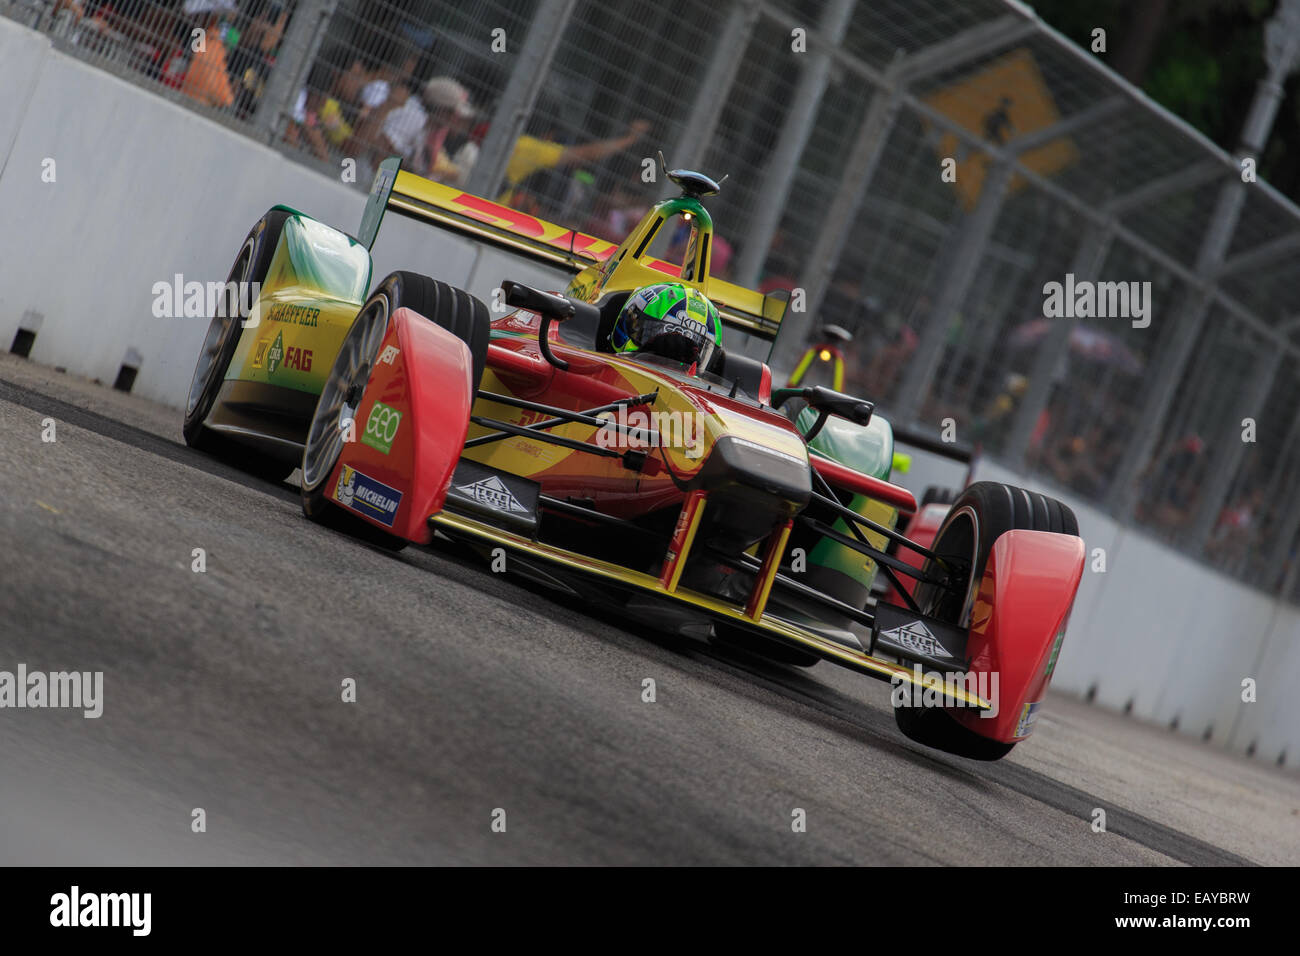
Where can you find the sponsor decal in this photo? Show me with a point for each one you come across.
(294, 314)
(493, 493)
(366, 496)
(1028, 716)
(297, 358)
(381, 427)
(1056, 652)
(917, 637)
(275, 354)
(388, 355)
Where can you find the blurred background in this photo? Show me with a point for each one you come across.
(1115, 141)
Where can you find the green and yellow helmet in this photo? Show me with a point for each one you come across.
(669, 319)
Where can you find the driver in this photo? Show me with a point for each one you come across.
(670, 319)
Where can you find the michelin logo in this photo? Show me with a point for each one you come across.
(366, 496)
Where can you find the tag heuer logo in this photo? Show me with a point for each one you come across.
(493, 493)
(916, 637)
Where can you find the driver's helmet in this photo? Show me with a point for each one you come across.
(669, 319)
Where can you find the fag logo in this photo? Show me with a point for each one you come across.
(299, 359)
(388, 355)
(917, 637)
(493, 493)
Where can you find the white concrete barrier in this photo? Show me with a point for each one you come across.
(144, 189)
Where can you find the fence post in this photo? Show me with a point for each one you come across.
(1230, 448)
(859, 169)
(1087, 263)
(1175, 351)
(297, 50)
(973, 236)
(797, 127)
(706, 111)
(516, 103)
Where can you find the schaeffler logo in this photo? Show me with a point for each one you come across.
(638, 429)
(946, 689)
(179, 299)
(493, 493)
(916, 637)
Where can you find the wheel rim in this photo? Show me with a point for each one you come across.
(341, 396)
(219, 329)
(938, 602)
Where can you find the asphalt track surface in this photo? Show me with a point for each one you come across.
(476, 692)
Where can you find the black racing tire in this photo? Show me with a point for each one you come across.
(252, 263)
(454, 309)
(980, 515)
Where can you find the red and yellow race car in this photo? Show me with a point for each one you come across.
(578, 456)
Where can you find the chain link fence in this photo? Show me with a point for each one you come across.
(920, 170)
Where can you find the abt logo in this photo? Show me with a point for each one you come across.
(388, 355)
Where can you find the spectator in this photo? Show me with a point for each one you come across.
(1171, 483)
(616, 211)
(532, 153)
(449, 150)
(207, 79)
(254, 53)
(383, 92)
(403, 127)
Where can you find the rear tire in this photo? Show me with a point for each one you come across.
(252, 263)
(981, 514)
(454, 309)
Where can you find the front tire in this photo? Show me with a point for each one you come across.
(454, 309)
(982, 513)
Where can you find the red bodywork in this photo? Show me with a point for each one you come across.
(419, 382)
(1019, 615)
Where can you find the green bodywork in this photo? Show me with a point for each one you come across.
(868, 449)
(316, 282)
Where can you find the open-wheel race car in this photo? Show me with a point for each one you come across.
(562, 436)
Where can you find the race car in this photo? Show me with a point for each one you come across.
(606, 439)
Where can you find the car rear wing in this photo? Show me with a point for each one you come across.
(448, 207)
